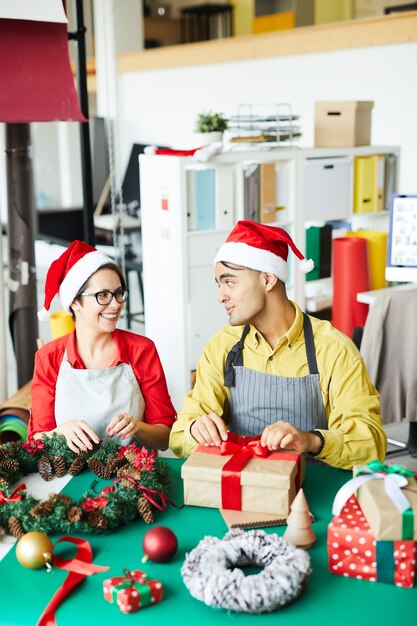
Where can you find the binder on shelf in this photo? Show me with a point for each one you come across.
(390, 181)
(267, 193)
(281, 195)
(369, 183)
(313, 250)
(251, 192)
(225, 198)
(201, 199)
(326, 233)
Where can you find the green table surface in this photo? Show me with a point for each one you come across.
(327, 599)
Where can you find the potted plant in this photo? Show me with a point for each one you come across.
(210, 126)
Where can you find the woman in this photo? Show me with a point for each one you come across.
(98, 382)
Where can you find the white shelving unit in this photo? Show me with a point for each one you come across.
(182, 310)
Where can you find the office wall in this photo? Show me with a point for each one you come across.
(160, 106)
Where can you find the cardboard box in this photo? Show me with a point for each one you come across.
(383, 517)
(267, 485)
(354, 552)
(342, 123)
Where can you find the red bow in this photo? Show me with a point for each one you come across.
(14, 496)
(243, 449)
(78, 568)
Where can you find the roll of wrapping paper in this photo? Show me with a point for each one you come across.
(12, 428)
(350, 276)
(377, 255)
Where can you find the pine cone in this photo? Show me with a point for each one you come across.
(115, 462)
(145, 510)
(74, 514)
(130, 455)
(9, 465)
(15, 527)
(64, 499)
(128, 470)
(59, 466)
(44, 508)
(76, 466)
(3, 483)
(2, 531)
(97, 519)
(99, 469)
(45, 468)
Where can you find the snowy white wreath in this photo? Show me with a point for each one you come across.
(211, 571)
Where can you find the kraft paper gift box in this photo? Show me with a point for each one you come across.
(132, 591)
(353, 550)
(233, 476)
(387, 519)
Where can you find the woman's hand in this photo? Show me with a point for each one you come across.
(123, 426)
(79, 435)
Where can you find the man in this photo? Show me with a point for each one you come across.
(275, 372)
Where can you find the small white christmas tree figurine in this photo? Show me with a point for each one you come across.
(299, 531)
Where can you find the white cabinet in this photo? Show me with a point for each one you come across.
(182, 310)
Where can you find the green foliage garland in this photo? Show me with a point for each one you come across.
(138, 471)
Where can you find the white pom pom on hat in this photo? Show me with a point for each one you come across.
(68, 273)
(261, 247)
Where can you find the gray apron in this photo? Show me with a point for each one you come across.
(258, 399)
(96, 396)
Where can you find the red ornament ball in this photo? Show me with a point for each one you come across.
(159, 544)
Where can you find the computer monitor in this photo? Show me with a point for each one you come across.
(402, 239)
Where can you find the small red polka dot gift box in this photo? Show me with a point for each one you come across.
(354, 552)
(132, 591)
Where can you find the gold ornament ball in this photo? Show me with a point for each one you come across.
(34, 550)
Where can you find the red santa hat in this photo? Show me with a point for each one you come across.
(69, 272)
(261, 247)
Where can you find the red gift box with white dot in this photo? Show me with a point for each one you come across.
(353, 550)
(133, 591)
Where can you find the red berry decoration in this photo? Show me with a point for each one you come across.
(159, 544)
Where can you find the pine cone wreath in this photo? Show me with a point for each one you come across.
(44, 508)
(9, 465)
(15, 527)
(76, 466)
(145, 510)
(74, 514)
(45, 468)
(99, 469)
(97, 519)
(59, 466)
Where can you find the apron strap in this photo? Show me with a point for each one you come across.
(310, 348)
(234, 357)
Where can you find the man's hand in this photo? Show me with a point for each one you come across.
(288, 437)
(209, 430)
(79, 435)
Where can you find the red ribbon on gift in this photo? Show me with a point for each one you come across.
(15, 496)
(243, 449)
(78, 568)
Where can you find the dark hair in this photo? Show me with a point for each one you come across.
(106, 266)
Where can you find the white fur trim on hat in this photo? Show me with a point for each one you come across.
(43, 315)
(254, 258)
(78, 274)
(307, 265)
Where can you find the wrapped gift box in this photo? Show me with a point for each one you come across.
(132, 591)
(354, 552)
(265, 485)
(382, 515)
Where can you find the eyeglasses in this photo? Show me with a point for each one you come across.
(105, 297)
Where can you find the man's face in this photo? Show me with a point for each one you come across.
(241, 292)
